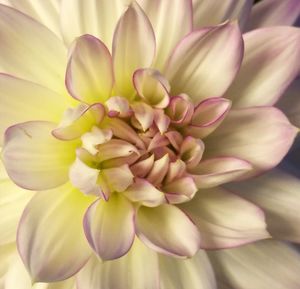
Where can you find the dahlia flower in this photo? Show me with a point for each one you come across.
(136, 136)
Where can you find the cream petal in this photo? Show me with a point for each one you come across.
(225, 220)
(176, 170)
(216, 171)
(289, 104)
(145, 193)
(159, 170)
(192, 273)
(12, 203)
(142, 168)
(144, 114)
(79, 120)
(262, 136)
(161, 120)
(165, 15)
(45, 12)
(95, 17)
(22, 100)
(50, 237)
(274, 13)
(205, 62)
(277, 193)
(109, 227)
(118, 105)
(262, 265)
(34, 159)
(270, 64)
(133, 47)
(207, 12)
(191, 151)
(128, 272)
(152, 87)
(31, 51)
(89, 76)
(167, 230)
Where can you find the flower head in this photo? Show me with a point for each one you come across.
(129, 129)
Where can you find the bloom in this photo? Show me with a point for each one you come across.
(128, 126)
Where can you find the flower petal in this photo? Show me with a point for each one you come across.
(144, 114)
(50, 237)
(216, 171)
(205, 62)
(277, 193)
(133, 47)
(192, 273)
(167, 230)
(24, 42)
(95, 17)
(34, 159)
(12, 203)
(225, 220)
(266, 264)
(109, 227)
(165, 15)
(145, 193)
(270, 64)
(128, 272)
(89, 75)
(21, 100)
(274, 13)
(262, 136)
(207, 12)
(45, 12)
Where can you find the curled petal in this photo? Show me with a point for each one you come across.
(43, 228)
(34, 159)
(167, 230)
(143, 167)
(225, 220)
(175, 138)
(159, 170)
(133, 47)
(89, 76)
(144, 114)
(143, 192)
(216, 171)
(79, 120)
(161, 120)
(204, 56)
(176, 170)
(109, 227)
(118, 106)
(191, 151)
(152, 87)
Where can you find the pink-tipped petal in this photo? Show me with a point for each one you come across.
(274, 13)
(118, 105)
(216, 171)
(133, 47)
(225, 220)
(161, 120)
(145, 193)
(24, 41)
(176, 170)
(79, 120)
(50, 237)
(143, 167)
(159, 170)
(167, 230)
(165, 16)
(206, 61)
(89, 75)
(128, 272)
(144, 114)
(270, 64)
(191, 151)
(152, 87)
(109, 227)
(34, 159)
(262, 136)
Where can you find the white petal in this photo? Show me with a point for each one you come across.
(278, 194)
(167, 230)
(274, 13)
(262, 265)
(207, 12)
(109, 227)
(192, 273)
(136, 270)
(262, 136)
(205, 62)
(34, 159)
(270, 64)
(50, 238)
(21, 101)
(31, 51)
(225, 220)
